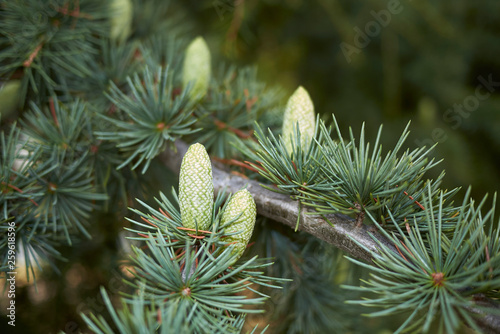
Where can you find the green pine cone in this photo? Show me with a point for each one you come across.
(196, 189)
(121, 19)
(241, 207)
(197, 68)
(299, 109)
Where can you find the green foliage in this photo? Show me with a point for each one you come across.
(63, 177)
(198, 282)
(236, 100)
(364, 181)
(141, 318)
(93, 110)
(198, 273)
(17, 205)
(47, 198)
(312, 302)
(338, 176)
(10, 184)
(445, 273)
(164, 51)
(432, 275)
(112, 63)
(288, 170)
(60, 196)
(48, 40)
(359, 181)
(58, 128)
(149, 118)
(168, 219)
(199, 268)
(65, 197)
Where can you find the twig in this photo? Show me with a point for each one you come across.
(18, 190)
(32, 56)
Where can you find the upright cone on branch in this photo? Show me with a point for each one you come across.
(10, 97)
(196, 189)
(121, 19)
(197, 68)
(242, 211)
(299, 110)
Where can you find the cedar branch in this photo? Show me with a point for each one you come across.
(340, 233)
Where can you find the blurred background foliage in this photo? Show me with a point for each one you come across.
(426, 60)
(421, 64)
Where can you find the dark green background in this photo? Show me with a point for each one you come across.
(426, 59)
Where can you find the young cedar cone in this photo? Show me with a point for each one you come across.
(197, 68)
(299, 109)
(10, 97)
(121, 19)
(241, 208)
(196, 189)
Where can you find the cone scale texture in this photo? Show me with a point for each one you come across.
(196, 189)
(197, 68)
(241, 208)
(299, 108)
